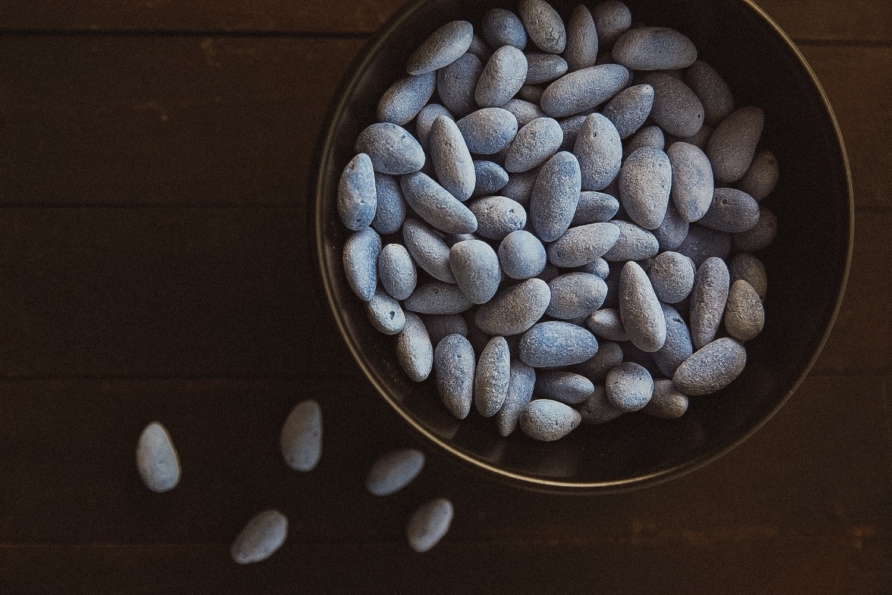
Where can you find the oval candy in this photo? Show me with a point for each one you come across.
(454, 372)
(394, 470)
(156, 459)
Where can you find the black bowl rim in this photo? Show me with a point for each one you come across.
(321, 160)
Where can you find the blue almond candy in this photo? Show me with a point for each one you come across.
(543, 25)
(357, 198)
(744, 314)
(492, 376)
(640, 309)
(436, 297)
(712, 90)
(521, 255)
(583, 89)
(598, 409)
(396, 271)
(555, 196)
(654, 48)
(612, 19)
(488, 130)
(575, 295)
(582, 39)
(749, 268)
(454, 370)
(544, 68)
(566, 387)
(444, 46)
(607, 323)
(156, 459)
(533, 145)
(300, 440)
(440, 326)
(393, 471)
(761, 177)
(732, 211)
(436, 205)
(361, 262)
(498, 216)
(521, 382)
(428, 250)
(672, 231)
(710, 369)
(457, 82)
(391, 148)
(260, 538)
(451, 158)
(502, 77)
(629, 109)
(649, 136)
(594, 207)
(514, 310)
(692, 182)
(385, 313)
(476, 268)
(703, 243)
(676, 108)
(583, 244)
(708, 300)
(554, 343)
(609, 356)
(414, 351)
(733, 143)
(678, 346)
(634, 243)
(503, 27)
(405, 98)
(668, 402)
(629, 387)
(524, 111)
(760, 236)
(547, 420)
(672, 277)
(645, 182)
(489, 178)
(391, 210)
(428, 524)
(599, 150)
(425, 121)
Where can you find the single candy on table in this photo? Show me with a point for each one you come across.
(156, 459)
(301, 438)
(394, 470)
(429, 524)
(261, 537)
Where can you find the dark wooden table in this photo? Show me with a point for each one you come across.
(154, 264)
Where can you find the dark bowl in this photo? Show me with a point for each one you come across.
(807, 264)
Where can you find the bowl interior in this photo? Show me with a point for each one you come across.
(807, 264)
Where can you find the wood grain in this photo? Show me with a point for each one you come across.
(801, 19)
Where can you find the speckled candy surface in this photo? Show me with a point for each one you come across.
(436, 297)
(733, 143)
(547, 420)
(457, 83)
(654, 48)
(394, 470)
(414, 351)
(489, 130)
(396, 271)
(451, 158)
(645, 182)
(582, 244)
(676, 108)
(476, 268)
(429, 524)
(640, 309)
(544, 25)
(444, 46)
(156, 459)
(515, 309)
(498, 216)
(521, 382)
(708, 299)
(360, 260)
(301, 437)
(428, 250)
(357, 197)
(630, 108)
(744, 315)
(533, 145)
(554, 343)
(502, 77)
(436, 205)
(502, 27)
(391, 148)
(710, 369)
(599, 150)
(454, 367)
(583, 89)
(492, 376)
(629, 387)
(574, 295)
(555, 196)
(405, 98)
